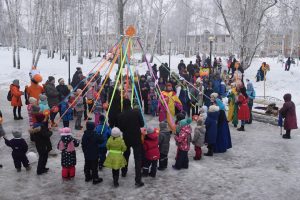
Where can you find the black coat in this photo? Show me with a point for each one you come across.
(90, 144)
(115, 108)
(75, 80)
(52, 94)
(181, 66)
(19, 146)
(63, 91)
(130, 123)
(40, 134)
(191, 69)
(163, 71)
(68, 159)
(144, 85)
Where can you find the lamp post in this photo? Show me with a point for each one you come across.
(211, 39)
(69, 60)
(170, 43)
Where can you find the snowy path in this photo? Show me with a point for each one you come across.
(261, 165)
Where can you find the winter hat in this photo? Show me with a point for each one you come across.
(180, 116)
(90, 125)
(214, 95)
(213, 108)
(39, 117)
(43, 97)
(35, 109)
(102, 118)
(32, 100)
(116, 132)
(163, 126)
(16, 82)
(150, 130)
(78, 92)
(51, 78)
(17, 133)
(60, 80)
(65, 131)
(200, 121)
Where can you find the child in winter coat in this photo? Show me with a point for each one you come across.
(40, 134)
(198, 140)
(79, 108)
(68, 113)
(151, 152)
(67, 145)
(32, 101)
(98, 110)
(43, 104)
(105, 131)
(154, 105)
(90, 147)
(183, 139)
(164, 145)
(19, 147)
(115, 159)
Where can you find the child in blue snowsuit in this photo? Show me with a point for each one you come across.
(68, 115)
(105, 131)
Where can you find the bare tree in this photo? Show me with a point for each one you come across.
(244, 21)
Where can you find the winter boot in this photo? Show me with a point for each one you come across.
(18, 169)
(116, 181)
(97, 180)
(16, 118)
(139, 184)
(1, 166)
(242, 128)
(20, 118)
(210, 151)
(28, 168)
(286, 136)
(235, 125)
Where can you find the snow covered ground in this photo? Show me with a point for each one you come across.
(261, 165)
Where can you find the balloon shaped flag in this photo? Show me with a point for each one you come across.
(131, 31)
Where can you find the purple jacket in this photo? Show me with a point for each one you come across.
(288, 112)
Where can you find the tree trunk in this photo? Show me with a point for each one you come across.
(80, 53)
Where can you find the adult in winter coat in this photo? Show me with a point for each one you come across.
(207, 92)
(191, 69)
(184, 97)
(53, 97)
(41, 134)
(223, 141)
(76, 79)
(243, 110)
(163, 72)
(16, 101)
(251, 94)
(154, 69)
(172, 101)
(211, 128)
(62, 89)
(67, 145)
(151, 152)
(164, 145)
(183, 139)
(288, 112)
(288, 64)
(181, 66)
(130, 122)
(115, 108)
(144, 91)
(90, 146)
(115, 159)
(34, 89)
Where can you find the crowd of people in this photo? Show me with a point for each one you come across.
(175, 98)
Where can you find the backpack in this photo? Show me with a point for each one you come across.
(69, 148)
(9, 96)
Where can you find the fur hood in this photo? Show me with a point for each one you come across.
(213, 108)
(35, 130)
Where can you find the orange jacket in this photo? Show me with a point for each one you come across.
(15, 95)
(34, 90)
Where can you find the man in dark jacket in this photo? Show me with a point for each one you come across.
(154, 69)
(145, 88)
(181, 66)
(53, 97)
(191, 69)
(163, 72)
(288, 64)
(288, 112)
(90, 146)
(130, 122)
(76, 79)
(41, 134)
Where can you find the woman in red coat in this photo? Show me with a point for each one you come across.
(16, 101)
(288, 112)
(243, 111)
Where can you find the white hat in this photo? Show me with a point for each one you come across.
(116, 132)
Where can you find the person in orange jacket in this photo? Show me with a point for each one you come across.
(16, 101)
(34, 89)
